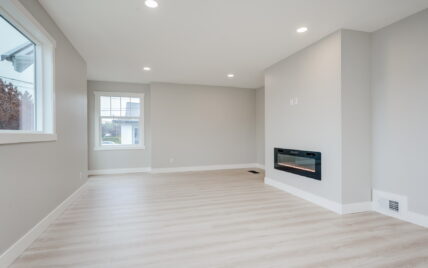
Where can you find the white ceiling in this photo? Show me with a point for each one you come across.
(201, 41)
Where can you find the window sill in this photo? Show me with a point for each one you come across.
(116, 148)
(13, 138)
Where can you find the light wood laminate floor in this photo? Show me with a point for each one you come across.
(216, 219)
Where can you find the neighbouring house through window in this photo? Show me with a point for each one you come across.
(119, 121)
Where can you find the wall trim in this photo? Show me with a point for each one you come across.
(379, 205)
(12, 253)
(317, 200)
(171, 170)
(416, 218)
(261, 166)
(203, 168)
(375, 205)
(320, 201)
(118, 171)
(356, 207)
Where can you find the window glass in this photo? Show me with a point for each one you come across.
(116, 131)
(105, 106)
(119, 106)
(125, 107)
(17, 79)
(115, 106)
(135, 106)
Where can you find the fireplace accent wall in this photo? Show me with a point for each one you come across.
(304, 163)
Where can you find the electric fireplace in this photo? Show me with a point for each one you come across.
(304, 163)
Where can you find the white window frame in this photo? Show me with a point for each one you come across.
(16, 14)
(97, 120)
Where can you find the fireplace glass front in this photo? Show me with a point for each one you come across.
(303, 163)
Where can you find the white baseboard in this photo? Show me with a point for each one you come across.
(171, 170)
(202, 168)
(320, 201)
(356, 207)
(9, 256)
(416, 218)
(380, 205)
(261, 166)
(377, 205)
(118, 171)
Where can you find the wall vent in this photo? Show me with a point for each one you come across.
(394, 206)
(390, 204)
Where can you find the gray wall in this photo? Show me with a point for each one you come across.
(314, 124)
(36, 177)
(331, 82)
(356, 117)
(118, 159)
(400, 110)
(202, 125)
(260, 125)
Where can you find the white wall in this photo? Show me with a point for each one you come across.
(400, 110)
(118, 159)
(202, 125)
(36, 177)
(260, 125)
(313, 76)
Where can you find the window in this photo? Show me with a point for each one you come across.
(17, 80)
(26, 77)
(119, 121)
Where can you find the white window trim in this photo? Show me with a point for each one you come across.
(15, 13)
(97, 116)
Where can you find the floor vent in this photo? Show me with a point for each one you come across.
(394, 206)
(253, 171)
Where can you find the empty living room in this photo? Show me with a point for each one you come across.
(213, 133)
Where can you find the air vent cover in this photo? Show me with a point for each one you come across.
(394, 205)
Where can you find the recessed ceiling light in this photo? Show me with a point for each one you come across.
(147, 69)
(151, 3)
(230, 75)
(302, 30)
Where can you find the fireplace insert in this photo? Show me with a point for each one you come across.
(304, 163)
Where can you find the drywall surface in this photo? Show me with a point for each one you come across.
(36, 177)
(400, 110)
(118, 159)
(356, 117)
(313, 76)
(260, 125)
(202, 125)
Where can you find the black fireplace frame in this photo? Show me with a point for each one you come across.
(307, 154)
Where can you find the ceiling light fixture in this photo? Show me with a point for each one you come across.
(147, 69)
(151, 3)
(230, 75)
(302, 30)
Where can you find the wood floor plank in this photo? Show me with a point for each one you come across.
(216, 219)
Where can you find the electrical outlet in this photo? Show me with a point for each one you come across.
(294, 101)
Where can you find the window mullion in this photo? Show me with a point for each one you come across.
(120, 117)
